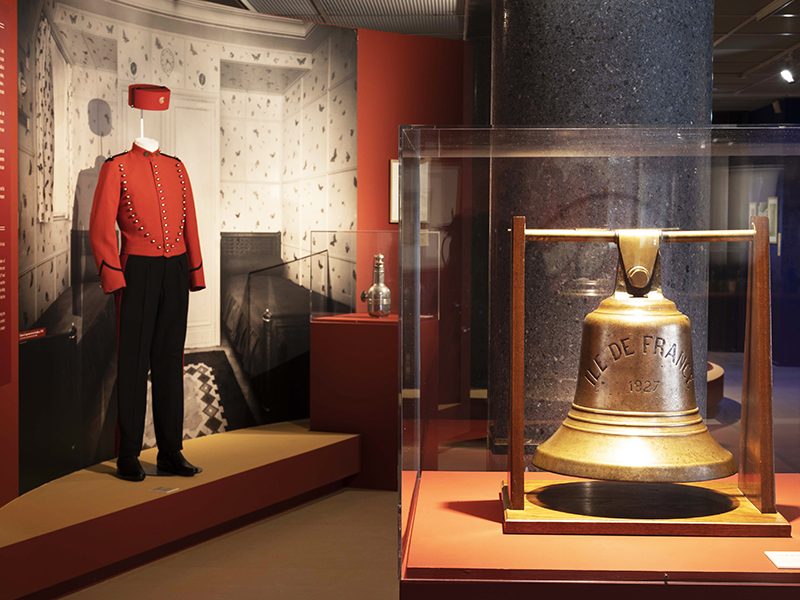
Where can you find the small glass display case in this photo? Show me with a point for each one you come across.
(350, 271)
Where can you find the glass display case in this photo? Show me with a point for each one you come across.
(265, 320)
(469, 184)
(345, 269)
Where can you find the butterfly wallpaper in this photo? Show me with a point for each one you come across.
(287, 128)
(289, 159)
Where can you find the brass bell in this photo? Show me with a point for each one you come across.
(634, 416)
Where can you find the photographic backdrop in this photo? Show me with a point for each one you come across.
(264, 117)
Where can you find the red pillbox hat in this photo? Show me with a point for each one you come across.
(148, 97)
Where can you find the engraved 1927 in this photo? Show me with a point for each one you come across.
(643, 386)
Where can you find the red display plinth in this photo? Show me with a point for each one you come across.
(355, 386)
(457, 546)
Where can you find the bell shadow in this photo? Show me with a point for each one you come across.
(632, 500)
(489, 510)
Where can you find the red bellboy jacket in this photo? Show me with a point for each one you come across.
(149, 196)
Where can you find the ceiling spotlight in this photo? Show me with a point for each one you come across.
(787, 75)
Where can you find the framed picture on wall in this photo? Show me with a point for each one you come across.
(394, 191)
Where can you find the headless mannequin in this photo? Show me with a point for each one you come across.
(171, 462)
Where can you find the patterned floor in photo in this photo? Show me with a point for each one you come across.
(213, 401)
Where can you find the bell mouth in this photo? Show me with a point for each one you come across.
(620, 446)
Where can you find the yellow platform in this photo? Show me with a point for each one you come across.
(90, 520)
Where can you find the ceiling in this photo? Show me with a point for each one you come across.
(753, 41)
(440, 18)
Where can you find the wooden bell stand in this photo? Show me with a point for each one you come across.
(753, 496)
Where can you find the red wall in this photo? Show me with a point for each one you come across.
(9, 264)
(402, 79)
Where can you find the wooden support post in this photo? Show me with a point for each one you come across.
(516, 421)
(756, 461)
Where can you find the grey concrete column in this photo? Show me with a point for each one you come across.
(589, 63)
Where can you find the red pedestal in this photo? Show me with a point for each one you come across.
(457, 549)
(355, 386)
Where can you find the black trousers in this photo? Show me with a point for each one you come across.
(152, 331)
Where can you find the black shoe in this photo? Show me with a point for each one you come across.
(173, 463)
(129, 469)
